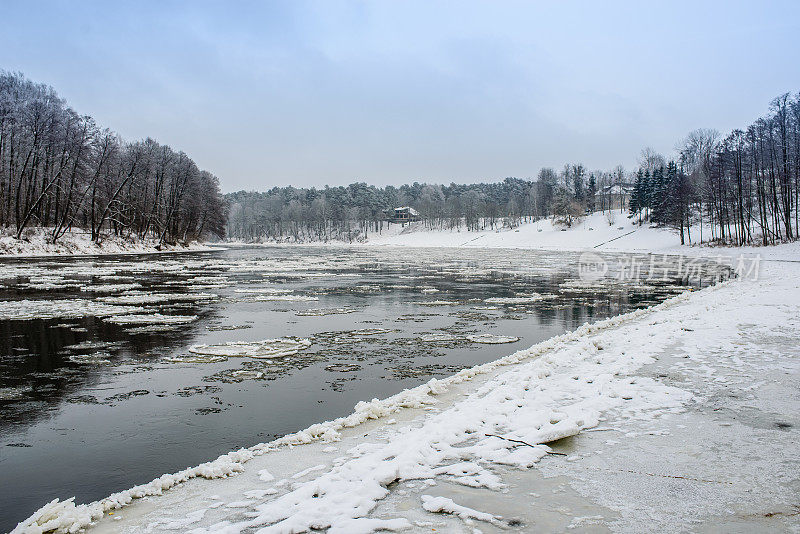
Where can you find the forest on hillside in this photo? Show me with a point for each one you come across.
(61, 171)
(744, 187)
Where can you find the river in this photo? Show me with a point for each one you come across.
(116, 369)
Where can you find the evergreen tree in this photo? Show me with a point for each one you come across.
(638, 201)
(591, 191)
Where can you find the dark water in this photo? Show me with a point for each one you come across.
(90, 406)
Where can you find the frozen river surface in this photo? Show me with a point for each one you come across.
(115, 370)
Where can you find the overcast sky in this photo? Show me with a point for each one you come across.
(269, 94)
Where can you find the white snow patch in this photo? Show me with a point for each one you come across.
(447, 506)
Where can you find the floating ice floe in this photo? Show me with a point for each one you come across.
(153, 328)
(217, 280)
(49, 286)
(116, 277)
(264, 349)
(491, 339)
(586, 285)
(291, 298)
(342, 367)
(156, 298)
(318, 312)
(216, 328)
(93, 358)
(486, 308)
(371, 331)
(236, 375)
(151, 318)
(521, 299)
(438, 337)
(90, 345)
(195, 358)
(437, 303)
(25, 310)
(264, 290)
(110, 288)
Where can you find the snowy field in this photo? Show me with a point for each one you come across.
(611, 231)
(590, 232)
(692, 403)
(38, 242)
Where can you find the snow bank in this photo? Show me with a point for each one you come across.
(37, 242)
(592, 231)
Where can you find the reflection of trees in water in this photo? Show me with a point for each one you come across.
(35, 360)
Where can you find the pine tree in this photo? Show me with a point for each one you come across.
(638, 201)
(591, 192)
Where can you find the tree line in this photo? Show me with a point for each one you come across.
(353, 212)
(744, 188)
(739, 189)
(60, 171)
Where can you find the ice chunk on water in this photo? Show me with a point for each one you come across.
(151, 318)
(438, 336)
(436, 303)
(491, 339)
(24, 310)
(236, 375)
(156, 298)
(216, 280)
(110, 288)
(264, 290)
(90, 345)
(195, 358)
(520, 299)
(296, 298)
(266, 348)
(93, 358)
(318, 312)
(153, 328)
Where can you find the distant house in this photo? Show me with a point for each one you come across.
(613, 197)
(403, 214)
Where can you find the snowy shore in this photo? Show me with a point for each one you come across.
(38, 243)
(692, 403)
(602, 232)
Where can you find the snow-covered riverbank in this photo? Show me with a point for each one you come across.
(692, 403)
(603, 232)
(38, 242)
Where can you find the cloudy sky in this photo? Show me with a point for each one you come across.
(269, 94)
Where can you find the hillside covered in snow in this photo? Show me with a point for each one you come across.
(38, 242)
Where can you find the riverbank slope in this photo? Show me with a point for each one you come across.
(38, 242)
